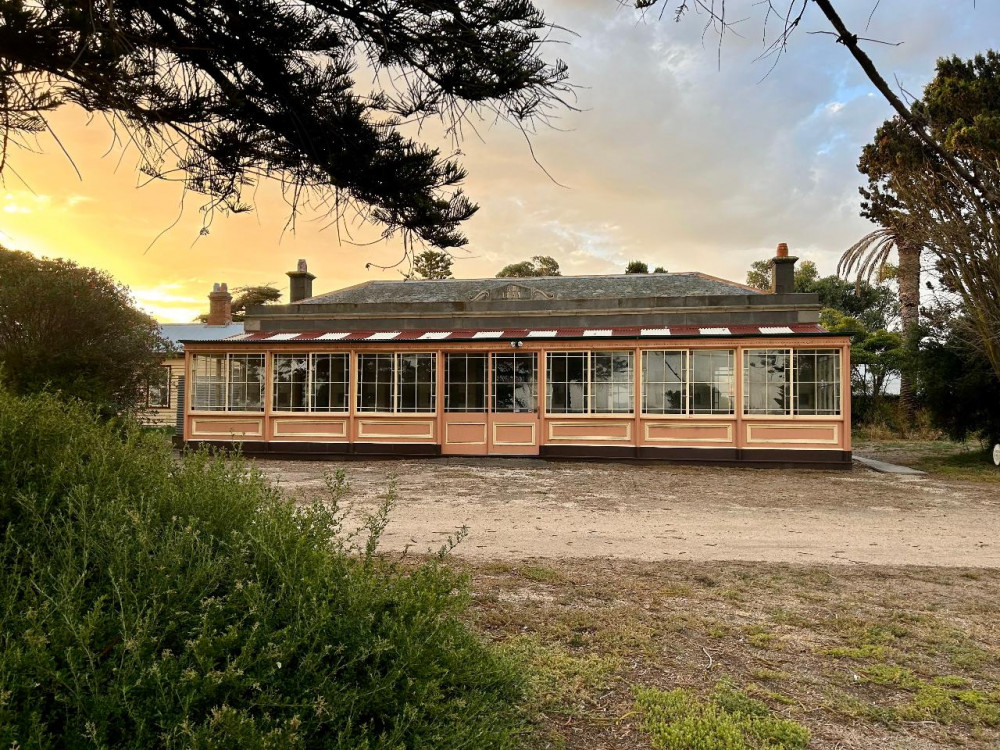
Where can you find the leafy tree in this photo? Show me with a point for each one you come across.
(251, 296)
(222, 93)
(876, 355)
(872, 305)
(659, 269)
(956, 384)
(433, 264)
(73, 329)
(636, 266)
(759, 275)
(914, 186)
(247, 297)
(869, 257)
(539, 265)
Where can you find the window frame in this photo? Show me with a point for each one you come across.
(792, 383)
(535, 396)
(310, 383)
(227, 382)
(395, 384)
(465, 383)
(687, 384)
(691, 383)
(590, 385)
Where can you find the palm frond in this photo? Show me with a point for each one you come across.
(866, 257)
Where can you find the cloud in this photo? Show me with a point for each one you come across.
(674, 157)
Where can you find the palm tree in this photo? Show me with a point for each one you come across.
(866, 258)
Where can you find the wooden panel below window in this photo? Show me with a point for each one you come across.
(687, 432)
(395, 429)
(465, 433)
(793, 434)
(514, 433)
(227, 427)
(590, 431)
(301, 428)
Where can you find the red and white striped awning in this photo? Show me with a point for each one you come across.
(512, 334)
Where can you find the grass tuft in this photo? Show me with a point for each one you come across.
(728, 720)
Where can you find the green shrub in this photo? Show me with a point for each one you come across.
(729, 720)
(147, 601)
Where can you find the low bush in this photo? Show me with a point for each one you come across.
(728, 720)
(149, 601)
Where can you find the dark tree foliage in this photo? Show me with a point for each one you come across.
(913, 187)
(433, 264)
(873, 306)
(637, 266)
(539, 265)
(957, 385)
(220, 93)
(251, 296)
(74, 330)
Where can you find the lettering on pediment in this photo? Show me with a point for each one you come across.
(510, 291)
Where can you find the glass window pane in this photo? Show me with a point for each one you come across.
(712, 381)
(613, 382)
(817, 381)
(330, 382)
(515, 382)
(766, 386)
(209, 389)
(290, 376)
(465, 382)
(158, 389)
(246, 382)
(566, 380)
(417, 382)
(664, 388)
(375, 382)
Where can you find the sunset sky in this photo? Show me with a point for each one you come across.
(671, 159)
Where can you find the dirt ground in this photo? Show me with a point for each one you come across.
(860, 605)
(523, 508)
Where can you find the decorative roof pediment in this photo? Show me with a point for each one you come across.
(510, 291)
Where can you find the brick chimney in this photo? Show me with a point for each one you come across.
(301, 286)
(220, 306)
(783, 271)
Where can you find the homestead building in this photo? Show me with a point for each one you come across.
(676, 366)
(161, 403)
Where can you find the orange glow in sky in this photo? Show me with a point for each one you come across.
(670, 159)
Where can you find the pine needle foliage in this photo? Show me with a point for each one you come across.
(151, 602)
(219, 94)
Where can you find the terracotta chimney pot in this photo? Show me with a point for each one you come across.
(782, 250)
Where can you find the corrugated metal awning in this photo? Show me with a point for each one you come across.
(548, 334)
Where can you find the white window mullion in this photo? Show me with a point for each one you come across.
(309, 381)
(589, 384)
(228, 379)
(793, 366)
(394, 400)
(687, 382)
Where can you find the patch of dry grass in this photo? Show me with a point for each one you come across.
(863, 657)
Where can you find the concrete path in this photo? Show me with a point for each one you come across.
(886, 468)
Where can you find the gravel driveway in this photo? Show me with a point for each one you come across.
(522, 508)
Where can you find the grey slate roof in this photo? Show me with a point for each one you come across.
(177, 332)
(557, 287)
